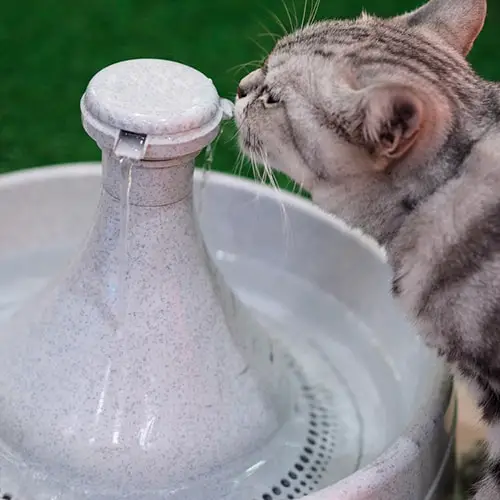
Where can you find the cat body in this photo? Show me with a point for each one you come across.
(386, 125)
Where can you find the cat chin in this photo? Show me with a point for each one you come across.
(295, 170)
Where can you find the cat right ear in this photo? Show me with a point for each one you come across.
(458, 22)
(390, 118)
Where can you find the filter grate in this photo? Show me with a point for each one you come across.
(312, 461)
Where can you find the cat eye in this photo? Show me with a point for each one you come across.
(271, 99)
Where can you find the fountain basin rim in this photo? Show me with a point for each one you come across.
(77, 169)
(397, 457)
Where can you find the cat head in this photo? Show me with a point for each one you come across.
(339, 105)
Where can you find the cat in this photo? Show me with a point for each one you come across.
(387, 126)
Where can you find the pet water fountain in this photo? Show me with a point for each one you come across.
(206, 340)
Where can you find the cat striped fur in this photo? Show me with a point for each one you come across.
(387, 126)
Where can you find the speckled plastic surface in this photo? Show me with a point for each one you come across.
(136, 372)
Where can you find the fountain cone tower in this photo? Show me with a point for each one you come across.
(138, 374)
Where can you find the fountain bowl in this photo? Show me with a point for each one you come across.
(307, 276)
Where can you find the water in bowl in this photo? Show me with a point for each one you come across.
(334, 431)
(349, 405)
(25, 275)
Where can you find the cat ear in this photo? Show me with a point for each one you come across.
(391, 118)
(458, 22)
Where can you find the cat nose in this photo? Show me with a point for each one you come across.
(240, 92)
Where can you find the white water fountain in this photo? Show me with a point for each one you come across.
(274, 365)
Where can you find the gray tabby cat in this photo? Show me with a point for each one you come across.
(386, 125)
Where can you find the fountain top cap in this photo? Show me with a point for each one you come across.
(174, 109)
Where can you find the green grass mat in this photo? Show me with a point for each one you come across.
(50, 49)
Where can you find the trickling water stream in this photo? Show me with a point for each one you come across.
(129, 149)
(126, 166)
(206, 166)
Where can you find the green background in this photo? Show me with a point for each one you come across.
(50, 49)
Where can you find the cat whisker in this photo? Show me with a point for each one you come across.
(238, 129)
(240, 125)
(262, 48)
(274, 184)
(295, 16)
(297, 187)
(279, 22)
(303, 14)
(261, 174)
(239, 163)
(300, 186)
(268, 33)
(288, 15)
(272, 36)
(240, 67)
(314, 12)
(256, 172)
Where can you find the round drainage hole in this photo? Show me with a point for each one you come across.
(308, 468)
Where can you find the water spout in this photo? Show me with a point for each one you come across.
(130, 145)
